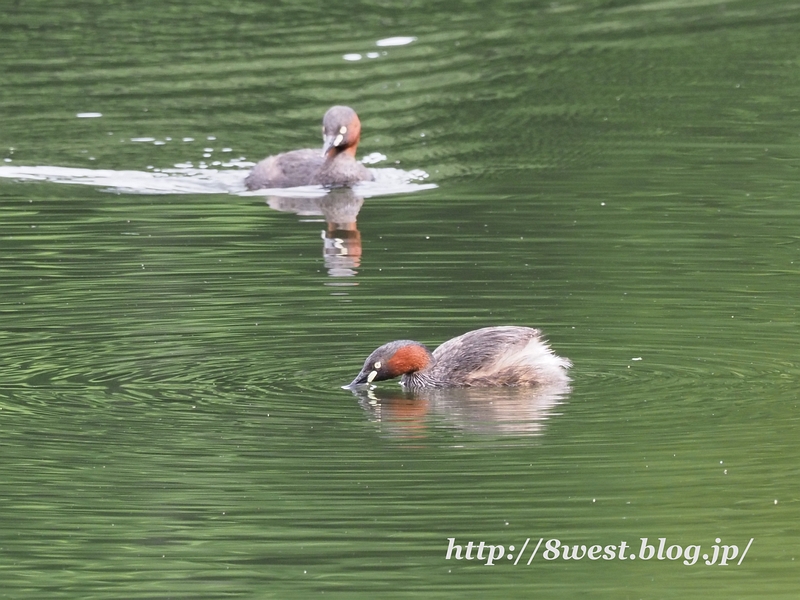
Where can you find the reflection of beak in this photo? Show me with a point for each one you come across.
(328, 143)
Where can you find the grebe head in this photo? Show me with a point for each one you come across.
(341, 131)
(393, 360)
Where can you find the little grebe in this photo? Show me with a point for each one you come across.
(492, 356)
(335, 165)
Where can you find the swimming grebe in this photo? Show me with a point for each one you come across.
(334, 165)
(492, 356)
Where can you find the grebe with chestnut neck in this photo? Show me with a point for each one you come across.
(334, 165)
(492, 356)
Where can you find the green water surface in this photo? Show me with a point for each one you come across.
(622, 174)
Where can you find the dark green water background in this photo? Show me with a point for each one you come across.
(624, 175)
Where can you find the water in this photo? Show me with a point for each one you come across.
(622, 175)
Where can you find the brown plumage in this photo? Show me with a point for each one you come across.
(334, 165)
(492, 356)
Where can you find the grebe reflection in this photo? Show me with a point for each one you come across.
(341, 239)
(509, 411)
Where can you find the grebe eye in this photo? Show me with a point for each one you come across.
(342, 129)
(377, 365)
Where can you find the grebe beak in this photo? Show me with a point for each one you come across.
(327, 145)
(363, 378)
(331, 141)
